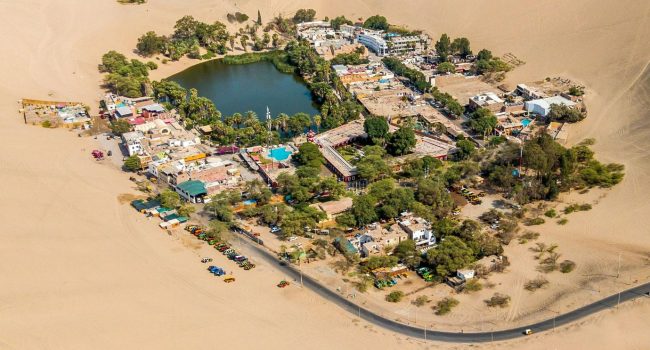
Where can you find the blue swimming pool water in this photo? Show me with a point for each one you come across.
(250, 202)
(279, 154)
(525, 122)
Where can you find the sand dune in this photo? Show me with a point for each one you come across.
(80, 270)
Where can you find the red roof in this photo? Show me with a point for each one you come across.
(136, 121)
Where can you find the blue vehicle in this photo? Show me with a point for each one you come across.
(217, 271)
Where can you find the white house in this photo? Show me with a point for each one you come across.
(419, 230)
(542, 106)
(465, 274)
(132, 142)
(373, 42)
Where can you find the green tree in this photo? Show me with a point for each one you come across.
(562, 113)
(446, 67)
(466, 149)
(151, 44)
(443, 47)
(133, 163)
(484, 54)
(309, 154)
(407, 252)
(433, 192)
(338, 21)
(376, 22)
(169, 91)
(482, 121)
(120, 126)
(169, 199)
(304, 15)
(373, 167)
(376, 128)
(450, 255)
(401, 142)
(363, 210)
(259, 18)
(382, 189)
(461, 47)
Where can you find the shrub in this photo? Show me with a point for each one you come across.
(562, 221)
(577, 207)
(473, 285)
(395, 297)
(528, 236)
(549, 264)
(445, 305)
(551, 213)
(46, 124)
(536, 284)
(498, 299)
(567, 266)
(421, 300)
(535, 221)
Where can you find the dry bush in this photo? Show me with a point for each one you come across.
(536, 284)
(473, 285)
(421, 300)
(498, 299)
(445, 305)
(528, 236)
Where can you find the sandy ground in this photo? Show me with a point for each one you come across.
(81, 270)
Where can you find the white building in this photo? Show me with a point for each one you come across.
(132, 142)
(419, 230)
(401, 44)
(542, 106)
(373, 42)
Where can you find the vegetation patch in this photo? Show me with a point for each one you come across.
(536, 283)
(395, 296)
(421, 301)
(551, 213)
(473, 285)
(445, 305)
(567, 266)
(534, 221)
(528, 236)
(577, 207)
(498, 299)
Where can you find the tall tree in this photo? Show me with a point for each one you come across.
(443, 47)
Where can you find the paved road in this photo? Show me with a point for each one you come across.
(428, 334)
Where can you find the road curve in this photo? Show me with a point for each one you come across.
(452, 337)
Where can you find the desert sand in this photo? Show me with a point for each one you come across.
(79, 269)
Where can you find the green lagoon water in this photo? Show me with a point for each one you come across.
(248, 87)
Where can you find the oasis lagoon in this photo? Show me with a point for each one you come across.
(248, 87)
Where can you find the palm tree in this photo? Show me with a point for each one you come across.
(250, 118)
(282, 120)
(317, 121)
(236, 120)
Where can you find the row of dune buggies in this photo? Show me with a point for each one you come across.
(222, 247)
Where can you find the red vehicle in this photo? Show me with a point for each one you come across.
(97, 154)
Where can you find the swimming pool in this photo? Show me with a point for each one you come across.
(525, 122)
(279, 154)
(250, 202)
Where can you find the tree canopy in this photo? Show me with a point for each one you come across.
(376, 22)
(450, 255)
(401, 142)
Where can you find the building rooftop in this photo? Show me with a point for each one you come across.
(193, 187)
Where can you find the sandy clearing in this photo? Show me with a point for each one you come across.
(80, 270)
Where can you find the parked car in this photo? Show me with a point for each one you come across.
(292, 238)
(275, 229)
(206, 260)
